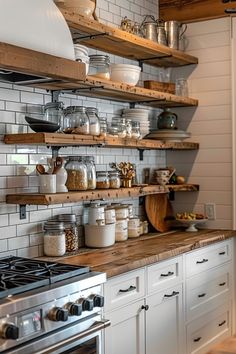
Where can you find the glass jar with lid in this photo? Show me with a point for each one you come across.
(94, 123)
(76, 120)
(54, 113)
(91, 171)
(77, 177)
(99, 66)
(114, 177)
(128, 128)
(135, 132)
(71, 231)
(54, 239)
(103, 126)
(118, 127)
(102, 180)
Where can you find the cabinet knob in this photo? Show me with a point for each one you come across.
(145, 307)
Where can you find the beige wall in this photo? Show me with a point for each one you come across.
(210, 123)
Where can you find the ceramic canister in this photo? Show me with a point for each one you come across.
(95, 212)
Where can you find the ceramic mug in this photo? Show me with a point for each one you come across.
(47, 183)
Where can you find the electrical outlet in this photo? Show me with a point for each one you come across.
(210, 211)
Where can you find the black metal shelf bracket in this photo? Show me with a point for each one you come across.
(141, 151)
(22, 211)
(90, 36)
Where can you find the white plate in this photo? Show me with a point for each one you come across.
(170, 135)
(191, 224)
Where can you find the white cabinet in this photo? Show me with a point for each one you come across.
(182, 305)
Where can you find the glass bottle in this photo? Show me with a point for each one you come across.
(102, 180)
(54, 113)
(54, 239)
(76, 120)
(94, 123)
(91, 171)
(77, 179)
(99, 66)
(71, 231)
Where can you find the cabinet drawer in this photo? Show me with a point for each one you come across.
(208, 290)
(208, 329)
(207, 257)
(123, 289)
(165, 274)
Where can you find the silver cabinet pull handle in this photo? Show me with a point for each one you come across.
(131, 288)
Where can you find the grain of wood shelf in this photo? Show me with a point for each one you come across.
(113, 40)
(59, 139)
(183, 187)
(73, 197)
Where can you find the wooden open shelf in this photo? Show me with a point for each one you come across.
(183, 187)
(73, 197)
(59, 139)
(113, 40)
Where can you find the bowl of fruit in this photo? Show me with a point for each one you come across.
(190, 220)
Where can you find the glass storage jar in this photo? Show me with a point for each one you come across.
(54, 113)
(54, 239)
(128, 128)
(135, 131)
(118, 127)
(91, 171)
(114, 177)
(94, 123)
(71, 231)
(76, 120)
(103, 126)
(99, 66)
(102, 180)
(77, 178)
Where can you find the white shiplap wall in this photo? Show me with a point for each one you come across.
(17, 163)
(210, 123)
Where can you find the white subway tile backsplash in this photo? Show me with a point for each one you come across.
(3, 246)
(9, 94)
(7, 232)
(31, 97)
(30, 228)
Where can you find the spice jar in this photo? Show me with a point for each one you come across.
(102, 180)
(54, 239)
(91, 171)
(114, 178)
(99, 66)
(54, 113)
(77, 179)
(71, 231)
(76, 120)
(94, 123)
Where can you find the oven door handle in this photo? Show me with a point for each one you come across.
(97, 326)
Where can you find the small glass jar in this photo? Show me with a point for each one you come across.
(99, 66)
(114, 177)
(71, 231)
(102, 180)
(128, 128)
(135, 132)
(91, 171)
(54, 113)
(77, 177)
(77, 120)
(103, 126)
(118, 127)
(94, 123)
(54, 239)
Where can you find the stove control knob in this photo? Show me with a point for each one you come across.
(9, 331)
(87, 303)
(58, 314)
(98, 301)
(74, 309)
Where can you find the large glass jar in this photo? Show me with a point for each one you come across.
(99, 66)
(54, 113)
(102, 180)
(77, 120)
(94, 123)
(77, 178)
(91, 171)
(54, 239)
(71, 231)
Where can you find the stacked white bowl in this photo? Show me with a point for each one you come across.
(81, 54)
(125, 73)
(140, 115)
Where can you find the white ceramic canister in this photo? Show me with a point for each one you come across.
(110, 215)
(122, 212)
(95, 212)
(131, 210)
(134, 227)
(121, 230)
(99, 235)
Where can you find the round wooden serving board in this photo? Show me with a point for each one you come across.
(158, 207)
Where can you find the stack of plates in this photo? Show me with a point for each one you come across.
(140, 115)
(168, 134)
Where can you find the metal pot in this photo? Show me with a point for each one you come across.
(174, 32)
(149, 28)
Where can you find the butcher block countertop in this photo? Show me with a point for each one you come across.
(148, 249)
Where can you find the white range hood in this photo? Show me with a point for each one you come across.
(37, 25)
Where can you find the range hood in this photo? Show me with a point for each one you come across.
(37, 25)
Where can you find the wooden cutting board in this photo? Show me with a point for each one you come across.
(158, 207)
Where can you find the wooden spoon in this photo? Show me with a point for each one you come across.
(41, 169)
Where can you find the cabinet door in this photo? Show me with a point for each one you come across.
(126, 335)
(164, 322)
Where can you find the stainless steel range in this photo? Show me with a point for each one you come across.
(48, 307)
